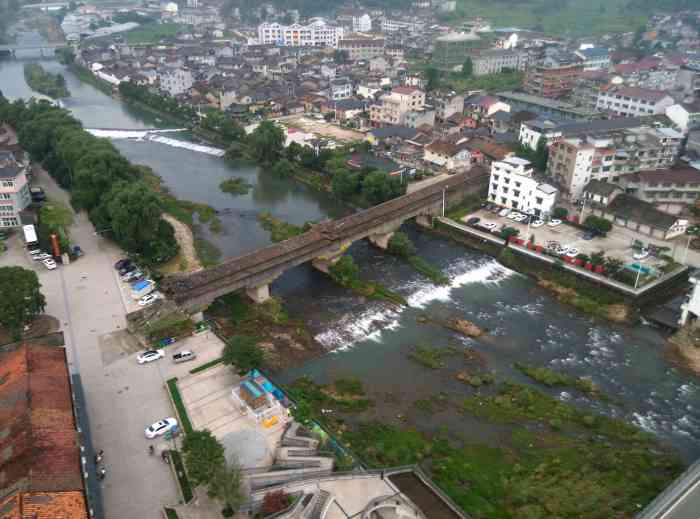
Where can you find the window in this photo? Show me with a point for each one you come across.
(538, 200)
(667, 184)
(5, 196)
(691, 195)
(653, 184)
(677, 195)
(516, 193)
(8, 183)
(9, 222)
(606, 169)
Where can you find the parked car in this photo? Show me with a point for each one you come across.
(148, 299)
(49, 264)
(35, 252)
(489, 226)
(160, 427)
(37, 194)
(537, 223)
(127, 269)
(588, 235)
(184, 356)
(642, 254)
(504, 212)
(122, 263)
(572, 252)
(43, 256)
(496, 209)
(131, 276)
(149, 356)
(554, 223)
(473, 220)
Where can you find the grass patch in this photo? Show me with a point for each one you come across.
(170, 513)
(432, 357)
(470, 204)
(280, 230)
(235, 186)
(208, 253)
(178, 465)
(179, 405)
(431, 272)
(344, 395)
(207, 365)
(175, 324)
(152, 33)
(552, 378)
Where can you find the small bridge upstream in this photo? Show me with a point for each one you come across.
(323, 244)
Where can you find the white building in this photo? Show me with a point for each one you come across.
(691, 308)
(317, 33)
(634, 101)
(14, 190)
(513, 185)
(362, 23)
(340, 88)
(686, 116)
(193, 4)
(176, 81)
(394, 25)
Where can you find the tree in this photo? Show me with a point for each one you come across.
(266, 142)
(21, 299)
(432, 76)
(560, 213)
(541, 154)
(302, 412)
(344, 271)
(596, 223)
(225, 485)
(379, 186)
(204, 455)
(243, 353)
(345, 184)
(284, 168)
(508, 232)
(467, 67)
(294, 151)
(401, 245)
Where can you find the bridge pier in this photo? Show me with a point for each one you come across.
(381, 240)
(425, 220)
(259, 294)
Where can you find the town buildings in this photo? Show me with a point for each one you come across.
(634, 101)
(314, 34)
(41, 469)
(513, 184)
(361, 22)
(452, 49)
(175, 81)
(594, 58)
(670, 190)
(545, 106)
(446, 104)
(494, 61)
(14, 190)
(609, 155)
(404, 106)
(553, 76)
(686, 116)
(362, 46)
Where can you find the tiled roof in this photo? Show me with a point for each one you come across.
(405, 90)
(670, 175)
(640, 93)
(37, 431)
(629, 208)
(490, 149)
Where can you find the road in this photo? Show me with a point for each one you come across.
(122, 396)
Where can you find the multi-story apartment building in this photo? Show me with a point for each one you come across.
(175, 80)
(513, 185)
(362, 46)
(446, 104)
(594, 58)
(493, 61)
(361, 22)
(406, 24)
(668, 189)
(14, 190)
(393, 107)
(340, 88)
(634, 101)
(609, 155)
(546, 106)
(554, 76)
(451, 49)
(317, 33)
(552, 129)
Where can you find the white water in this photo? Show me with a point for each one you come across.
(155, 136)
(380, 317)
(127, 134)
(217, 152)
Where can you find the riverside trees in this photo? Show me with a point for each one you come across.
(101, 181)
(21, 299)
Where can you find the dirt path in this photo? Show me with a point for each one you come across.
(186, 260)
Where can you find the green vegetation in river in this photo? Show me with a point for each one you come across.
(279, 229)
(432, 357)
(346, 273)
(235, 186)
(556, 460)
(401, 245)
(552, 378)
(39, 80)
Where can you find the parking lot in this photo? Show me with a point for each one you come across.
(615, 245)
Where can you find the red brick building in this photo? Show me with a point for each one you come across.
(40, 471)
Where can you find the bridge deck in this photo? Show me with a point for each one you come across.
(322, 233)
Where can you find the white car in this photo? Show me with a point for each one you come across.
(520, 217)
(572, 252)
(43, 256)
(504, 212)
(642, 254)
(160, 427)
(537, 223)
(49, 264)
(488, 225)
(132, 275)
(554, 223)
(148, 299)
(35, 252)
(150, 356)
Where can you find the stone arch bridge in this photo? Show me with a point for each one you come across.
(323, 244)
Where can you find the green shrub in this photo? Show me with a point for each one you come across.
(179, 405)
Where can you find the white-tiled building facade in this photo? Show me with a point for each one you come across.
(513, 185)
(317, 33)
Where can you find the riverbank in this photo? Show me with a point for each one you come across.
(685, 346)
(187, 260)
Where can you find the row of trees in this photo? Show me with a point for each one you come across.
(161, 102)
(101, 181)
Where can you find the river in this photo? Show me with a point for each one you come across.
(371, 340)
